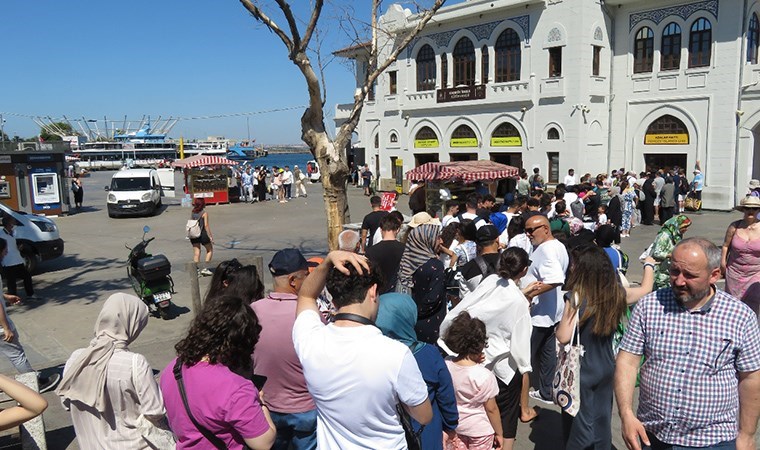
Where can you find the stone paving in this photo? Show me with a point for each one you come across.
(73, 287)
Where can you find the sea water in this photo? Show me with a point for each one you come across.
(284, 159)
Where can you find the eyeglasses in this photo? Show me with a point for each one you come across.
(532, 230)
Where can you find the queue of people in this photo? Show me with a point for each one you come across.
(259, 184)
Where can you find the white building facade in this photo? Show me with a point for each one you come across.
(573, 84)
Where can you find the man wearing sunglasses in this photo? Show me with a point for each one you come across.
(548, 266)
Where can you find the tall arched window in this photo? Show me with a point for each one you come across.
(753, 39)
(700, 43)
(464, 63)
(507, 52)
(426, 68)
(667, 130)
(670, 52)
(506, 135)
(377, 141)
(425, 138)
(444, 71)
(552, 134)
(484, 65)
(463, 136)
(643, 51)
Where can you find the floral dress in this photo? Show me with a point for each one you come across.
(629, 205)
(663, 246)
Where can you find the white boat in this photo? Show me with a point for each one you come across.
(138, 149)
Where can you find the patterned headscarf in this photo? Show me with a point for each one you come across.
(421, 245)
(673, 227)
(119, 323)
(396, 318)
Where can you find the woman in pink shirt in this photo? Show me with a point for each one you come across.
(214, 361)
(475, 387)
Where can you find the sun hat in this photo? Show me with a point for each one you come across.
(754, 184)
(749, 201)
(422, 218)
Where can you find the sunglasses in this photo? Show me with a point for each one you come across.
(531, 230)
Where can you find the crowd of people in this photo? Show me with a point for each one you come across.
(436, 333)
(259, 184)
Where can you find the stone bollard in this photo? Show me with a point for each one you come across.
(32, 431)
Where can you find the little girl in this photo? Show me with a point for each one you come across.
(602, 218)
(475, 387)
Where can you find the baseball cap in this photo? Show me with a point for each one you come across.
(288, 261)
(486, 234)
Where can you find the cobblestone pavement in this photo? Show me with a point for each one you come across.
(73, 287)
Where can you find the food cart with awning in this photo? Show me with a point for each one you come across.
(458, 178)
(207, 177)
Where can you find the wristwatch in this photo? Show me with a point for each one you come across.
(648, 264)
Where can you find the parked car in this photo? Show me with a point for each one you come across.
(37, 237)
(134, 192)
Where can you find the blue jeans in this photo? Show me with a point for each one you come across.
(298, 430)
(659, 445)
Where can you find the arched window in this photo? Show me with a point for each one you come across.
(377, 141)
(667, 130)
(425, 138)
(444, 71)
(552, 134)
(426, 68)
(507, 52)
(463, 136)
(464, 63)
(393, 138)
(643, 51)
(484, 65)
(700, 43)
(670, 52)
(506, 135)
(753, 39)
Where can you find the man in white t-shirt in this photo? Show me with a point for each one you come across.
(287, 182)
(355, 375)
(570, 178)
(549, 265)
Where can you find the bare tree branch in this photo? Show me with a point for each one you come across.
(315, 13)
(291, 19)
(259, 15)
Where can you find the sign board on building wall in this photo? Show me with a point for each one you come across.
(666, 139)
(459, 94)
(426, 143)
(512, 141)
(464, 142)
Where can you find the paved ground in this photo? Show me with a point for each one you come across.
(72, 288)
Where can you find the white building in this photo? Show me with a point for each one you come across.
(578, 84)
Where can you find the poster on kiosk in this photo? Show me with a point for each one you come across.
(45, 189)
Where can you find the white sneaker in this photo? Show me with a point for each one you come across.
(535, 395)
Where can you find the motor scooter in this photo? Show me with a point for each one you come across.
(151, 277)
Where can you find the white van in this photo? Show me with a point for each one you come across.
(37, 237)
(134, 192)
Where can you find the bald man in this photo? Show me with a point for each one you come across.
(549, 264)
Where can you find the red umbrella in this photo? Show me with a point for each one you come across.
(203, 160)
(462, 171)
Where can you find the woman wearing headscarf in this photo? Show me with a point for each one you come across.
(107, 387)
(396, 318)
(615, 211)
(421, 274)
(670, 234)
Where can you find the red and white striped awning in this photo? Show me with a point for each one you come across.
(203, 160)
(462, 171)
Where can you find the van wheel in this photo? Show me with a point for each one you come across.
(30, 260)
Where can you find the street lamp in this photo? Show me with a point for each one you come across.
(2, 127)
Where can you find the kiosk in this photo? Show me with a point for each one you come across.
(207, 177)
(33, 177)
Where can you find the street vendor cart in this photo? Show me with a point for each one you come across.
(207, 177)
(456, 179)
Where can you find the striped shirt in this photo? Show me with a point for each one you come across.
(689, 384)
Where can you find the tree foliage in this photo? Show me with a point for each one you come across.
(55, 130)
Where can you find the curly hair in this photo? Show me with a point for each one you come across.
(226, 331)
(512, 262)
(352, 288)
(466, 335)
(449, 233)
(222, 276)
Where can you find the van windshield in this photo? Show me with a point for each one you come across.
(130, 184)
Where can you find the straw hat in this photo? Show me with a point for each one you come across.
(422, 218)
(748, 202)
(754, 184)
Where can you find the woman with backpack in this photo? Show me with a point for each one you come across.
(206, 238)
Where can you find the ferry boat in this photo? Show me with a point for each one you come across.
(245, 151)
(137, 149)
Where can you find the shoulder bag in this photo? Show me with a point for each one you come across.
(567, 378)
(215, 441)
(413, 438)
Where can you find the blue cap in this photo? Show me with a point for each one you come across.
(288, 261)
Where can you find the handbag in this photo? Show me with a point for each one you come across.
(215, 441)
(692, 203)
(156, 433)
(193, 228)
(567, 379)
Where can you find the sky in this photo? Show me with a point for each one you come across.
(90, 59)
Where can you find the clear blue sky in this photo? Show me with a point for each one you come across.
(91, 59)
